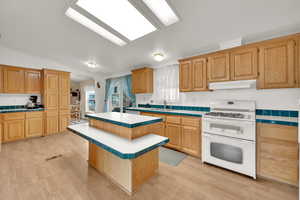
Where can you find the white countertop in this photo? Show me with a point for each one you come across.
(123, 118)
(121, 145)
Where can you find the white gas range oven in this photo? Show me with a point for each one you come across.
(229, 136)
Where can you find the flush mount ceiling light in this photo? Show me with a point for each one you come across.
(76, 16)
(158, 57)
(120, 15)
(91, 64)
(163, 11)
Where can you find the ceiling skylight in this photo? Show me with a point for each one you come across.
(121, 15)
(76, 16)
(163, 11)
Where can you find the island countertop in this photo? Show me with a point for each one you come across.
(124, 119)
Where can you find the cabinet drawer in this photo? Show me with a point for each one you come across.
(191, 121)
(13, 116)
(173, 119)
(34, 114)
(278, 132)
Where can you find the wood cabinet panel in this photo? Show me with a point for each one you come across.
(51, 89)
(277, 65)
(51, 125)
(277, 152)
(14, 80)
(64, 90)
(218, 67)
(199, 74)
(34, 127)
(36, 114)
(185, 76)
(191, 140)
(13, 130)
(142, 80)
(64, 121)
(173, 132)
(173, 119)
(13, 116)
(191, 121)
(33, 81)
(1, 80)
(244, 64)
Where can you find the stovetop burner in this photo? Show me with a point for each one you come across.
(223, 114)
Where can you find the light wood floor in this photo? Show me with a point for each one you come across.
(25, 174)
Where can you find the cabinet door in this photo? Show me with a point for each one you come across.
(33, 81)
(277, 65)
(64, 90)
(218, 67)
(1, 80)
(51, 87)
(173, 132)
(1, 132)
(52, 125)
(277, 152)
(185, 76)
(244, 64)
(191, 140)
(63, 122)
(199, 75)
(34, 127)
(14, 130)
(14, 80)
(138, 81)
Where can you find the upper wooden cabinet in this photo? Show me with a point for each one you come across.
(64, 90)
(185, 75)
(277, 65)
(192, 75)
(51, 89)
(218, 67)
(14, 79)
(142, 80)
(33, 81)
(244, 64)
(1, 80)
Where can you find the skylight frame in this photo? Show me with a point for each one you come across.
(88, 23)
(120, 15)
(163, 11)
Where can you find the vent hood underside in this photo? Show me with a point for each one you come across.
(229, 85)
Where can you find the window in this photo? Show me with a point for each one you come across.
(90, 101)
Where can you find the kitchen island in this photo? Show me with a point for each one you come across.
(122, 147)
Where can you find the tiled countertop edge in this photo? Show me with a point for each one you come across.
(117, 153)
(279, 122)
(165, 112)
(125, 124)
(19, 110)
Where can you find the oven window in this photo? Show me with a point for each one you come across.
(226, 152)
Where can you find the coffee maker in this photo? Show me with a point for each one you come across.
(32, 103)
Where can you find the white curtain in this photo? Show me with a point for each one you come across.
(166, 84)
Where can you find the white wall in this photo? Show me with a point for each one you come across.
(285, 99)
(15, 99)
(100, 94)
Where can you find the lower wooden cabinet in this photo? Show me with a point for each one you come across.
(14, 130)
(184, 132)
(277, 152)
(191, 140)
(51, 122)
(64, 122)
(173, 132)
(34, 124)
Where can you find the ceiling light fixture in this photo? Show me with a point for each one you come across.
(158, 57)
(91, 64)
(163, 11)
(76, 16)
(120, 15)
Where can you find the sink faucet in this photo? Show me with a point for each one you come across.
(165, 104)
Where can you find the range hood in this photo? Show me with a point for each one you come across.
(229, 85)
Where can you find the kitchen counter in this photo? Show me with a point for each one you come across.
(288, 121)
(168, 111)
(122, 146)
(124, 119)
(12, 110)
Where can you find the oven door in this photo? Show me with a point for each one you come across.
(231, 128)
(233, 154)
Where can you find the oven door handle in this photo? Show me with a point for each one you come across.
(224, 127)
